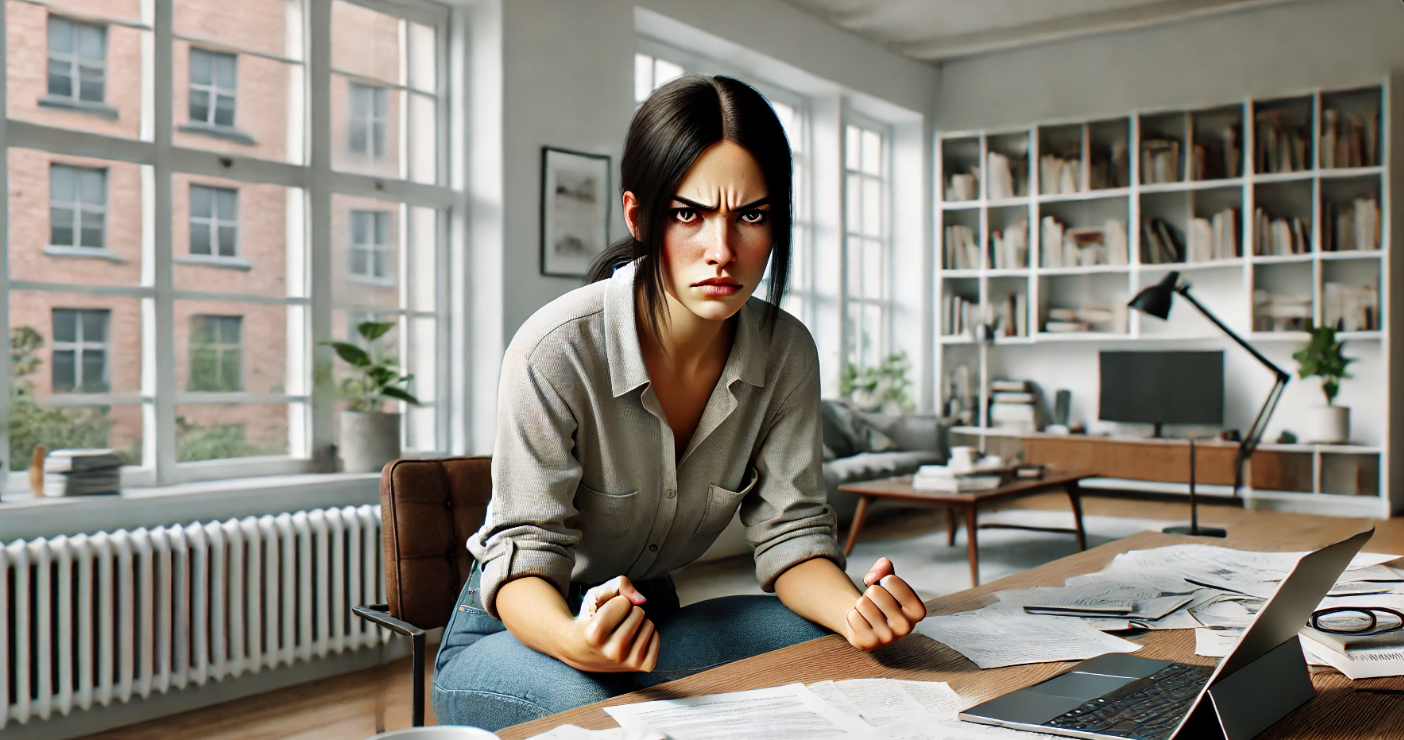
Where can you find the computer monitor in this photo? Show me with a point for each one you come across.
(1162, 388)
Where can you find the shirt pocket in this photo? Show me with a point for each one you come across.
(608, 514)
(722, 503)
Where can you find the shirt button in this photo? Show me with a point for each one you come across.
(653, 548)
(670, 493)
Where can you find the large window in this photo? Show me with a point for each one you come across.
(866, 244)
(170, 280)
(80, 350)
(77, 61)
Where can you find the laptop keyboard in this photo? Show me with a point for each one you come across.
(1150, 713)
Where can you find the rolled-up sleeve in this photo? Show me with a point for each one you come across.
(535, 476)
(787, 517)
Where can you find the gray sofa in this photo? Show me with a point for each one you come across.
(902, 444)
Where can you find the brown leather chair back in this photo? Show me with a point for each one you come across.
(428, 508)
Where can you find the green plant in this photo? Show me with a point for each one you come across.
(377, 375)
(54, 427)
(1321, 356)
(876, 388)
(195, 442)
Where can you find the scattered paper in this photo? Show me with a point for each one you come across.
(1212, 643)
(776, 713)
(573, 732)
(994, 639)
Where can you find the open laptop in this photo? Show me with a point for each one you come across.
(1124, 696)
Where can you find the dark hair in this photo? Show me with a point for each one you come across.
(669, 132)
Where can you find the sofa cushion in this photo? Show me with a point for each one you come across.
(841, 432)
(873, 465)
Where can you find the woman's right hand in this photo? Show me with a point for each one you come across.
(616, 638)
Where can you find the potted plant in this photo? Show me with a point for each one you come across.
(370, 437)
(1321, 356)
(878, 389)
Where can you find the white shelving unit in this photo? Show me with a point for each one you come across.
(1226, 285)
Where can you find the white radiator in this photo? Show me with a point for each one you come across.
(92, 619)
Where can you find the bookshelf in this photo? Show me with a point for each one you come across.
(1276, 210)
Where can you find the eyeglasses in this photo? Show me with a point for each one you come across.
(1357, 620)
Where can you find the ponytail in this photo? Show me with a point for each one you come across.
(614, 256)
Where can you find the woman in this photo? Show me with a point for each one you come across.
(636, 414)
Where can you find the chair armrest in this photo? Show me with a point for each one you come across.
(380, 614)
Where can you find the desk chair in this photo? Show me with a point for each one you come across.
(428, 508)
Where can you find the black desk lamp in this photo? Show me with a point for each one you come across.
(1155, 300)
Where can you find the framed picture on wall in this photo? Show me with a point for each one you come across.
(574, 210)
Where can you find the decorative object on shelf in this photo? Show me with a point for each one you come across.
(880, 389)
(1321, 357)
(36, 471)
(370, 437)
(1156, 300)
(574, 210)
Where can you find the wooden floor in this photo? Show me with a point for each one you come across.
(346, 707)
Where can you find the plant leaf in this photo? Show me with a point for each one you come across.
(373, 330)
(393, 392)
(351, 353)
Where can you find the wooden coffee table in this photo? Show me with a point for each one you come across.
(900, 489)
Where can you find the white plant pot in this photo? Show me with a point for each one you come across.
(1327, 424)
(369, 440)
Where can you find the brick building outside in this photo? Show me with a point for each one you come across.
(85, 221)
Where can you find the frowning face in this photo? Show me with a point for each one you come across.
(717, 233)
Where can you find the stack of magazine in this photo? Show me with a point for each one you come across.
(942, 479)
(82, 473)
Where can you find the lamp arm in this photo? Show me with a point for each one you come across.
(1254, 435)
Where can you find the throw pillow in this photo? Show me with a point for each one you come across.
(840, 429)
(828, 454)
(877, 441)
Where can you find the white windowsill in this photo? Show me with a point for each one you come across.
(57, 250)
(26, 516)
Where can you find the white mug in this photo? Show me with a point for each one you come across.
(443, 732)
(962, 458)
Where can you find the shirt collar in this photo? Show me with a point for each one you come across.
(626, 366)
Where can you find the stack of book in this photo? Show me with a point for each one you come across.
(1282, 147)
(1110, 167)
(1059, 174)
(1013, 406)
(1160, 161)
(1272, 312)
(1012, 316)
(940, 478)
(1009, 249)
(1088, 318)
(1215, 160)
(1356, 226)
(1161, 243)
(82, 473)
(961, 252)
(1004, 177)
(1349, 139)
(1082, 246)
(1278, 237)
(964, 186)
(1347, 307)
(1214, 238)
(960, 315)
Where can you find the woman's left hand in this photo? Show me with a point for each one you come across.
(887, 610)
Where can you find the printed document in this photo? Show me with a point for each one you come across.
(992, 638)
(573, 732)
(776, 713)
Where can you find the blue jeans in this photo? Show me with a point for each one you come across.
(484, 677)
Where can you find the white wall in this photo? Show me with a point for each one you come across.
(1224, 58)
(566, 70)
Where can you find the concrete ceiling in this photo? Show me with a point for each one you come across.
(937, 30)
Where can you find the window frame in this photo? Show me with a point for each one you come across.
(373, 123)
(853, 353)
(213, 90)
(77, 207)
(75, 62)
(312, 180)
(79, 347)
(377, 247)
(220, 345)
(212, 224)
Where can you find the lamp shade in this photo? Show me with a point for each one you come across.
(1156, 299)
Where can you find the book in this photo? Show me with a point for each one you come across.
(956, 484)
(1346, 644)
(1015, 386)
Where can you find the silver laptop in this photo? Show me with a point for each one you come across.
(1124, 696)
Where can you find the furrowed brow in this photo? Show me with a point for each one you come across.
(711, 209)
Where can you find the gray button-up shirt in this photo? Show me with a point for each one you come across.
(585, 487)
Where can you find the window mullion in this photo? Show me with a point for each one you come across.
(320, 217)
(159, 362)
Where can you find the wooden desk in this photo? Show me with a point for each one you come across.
(1336, 712)
(900, 489)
